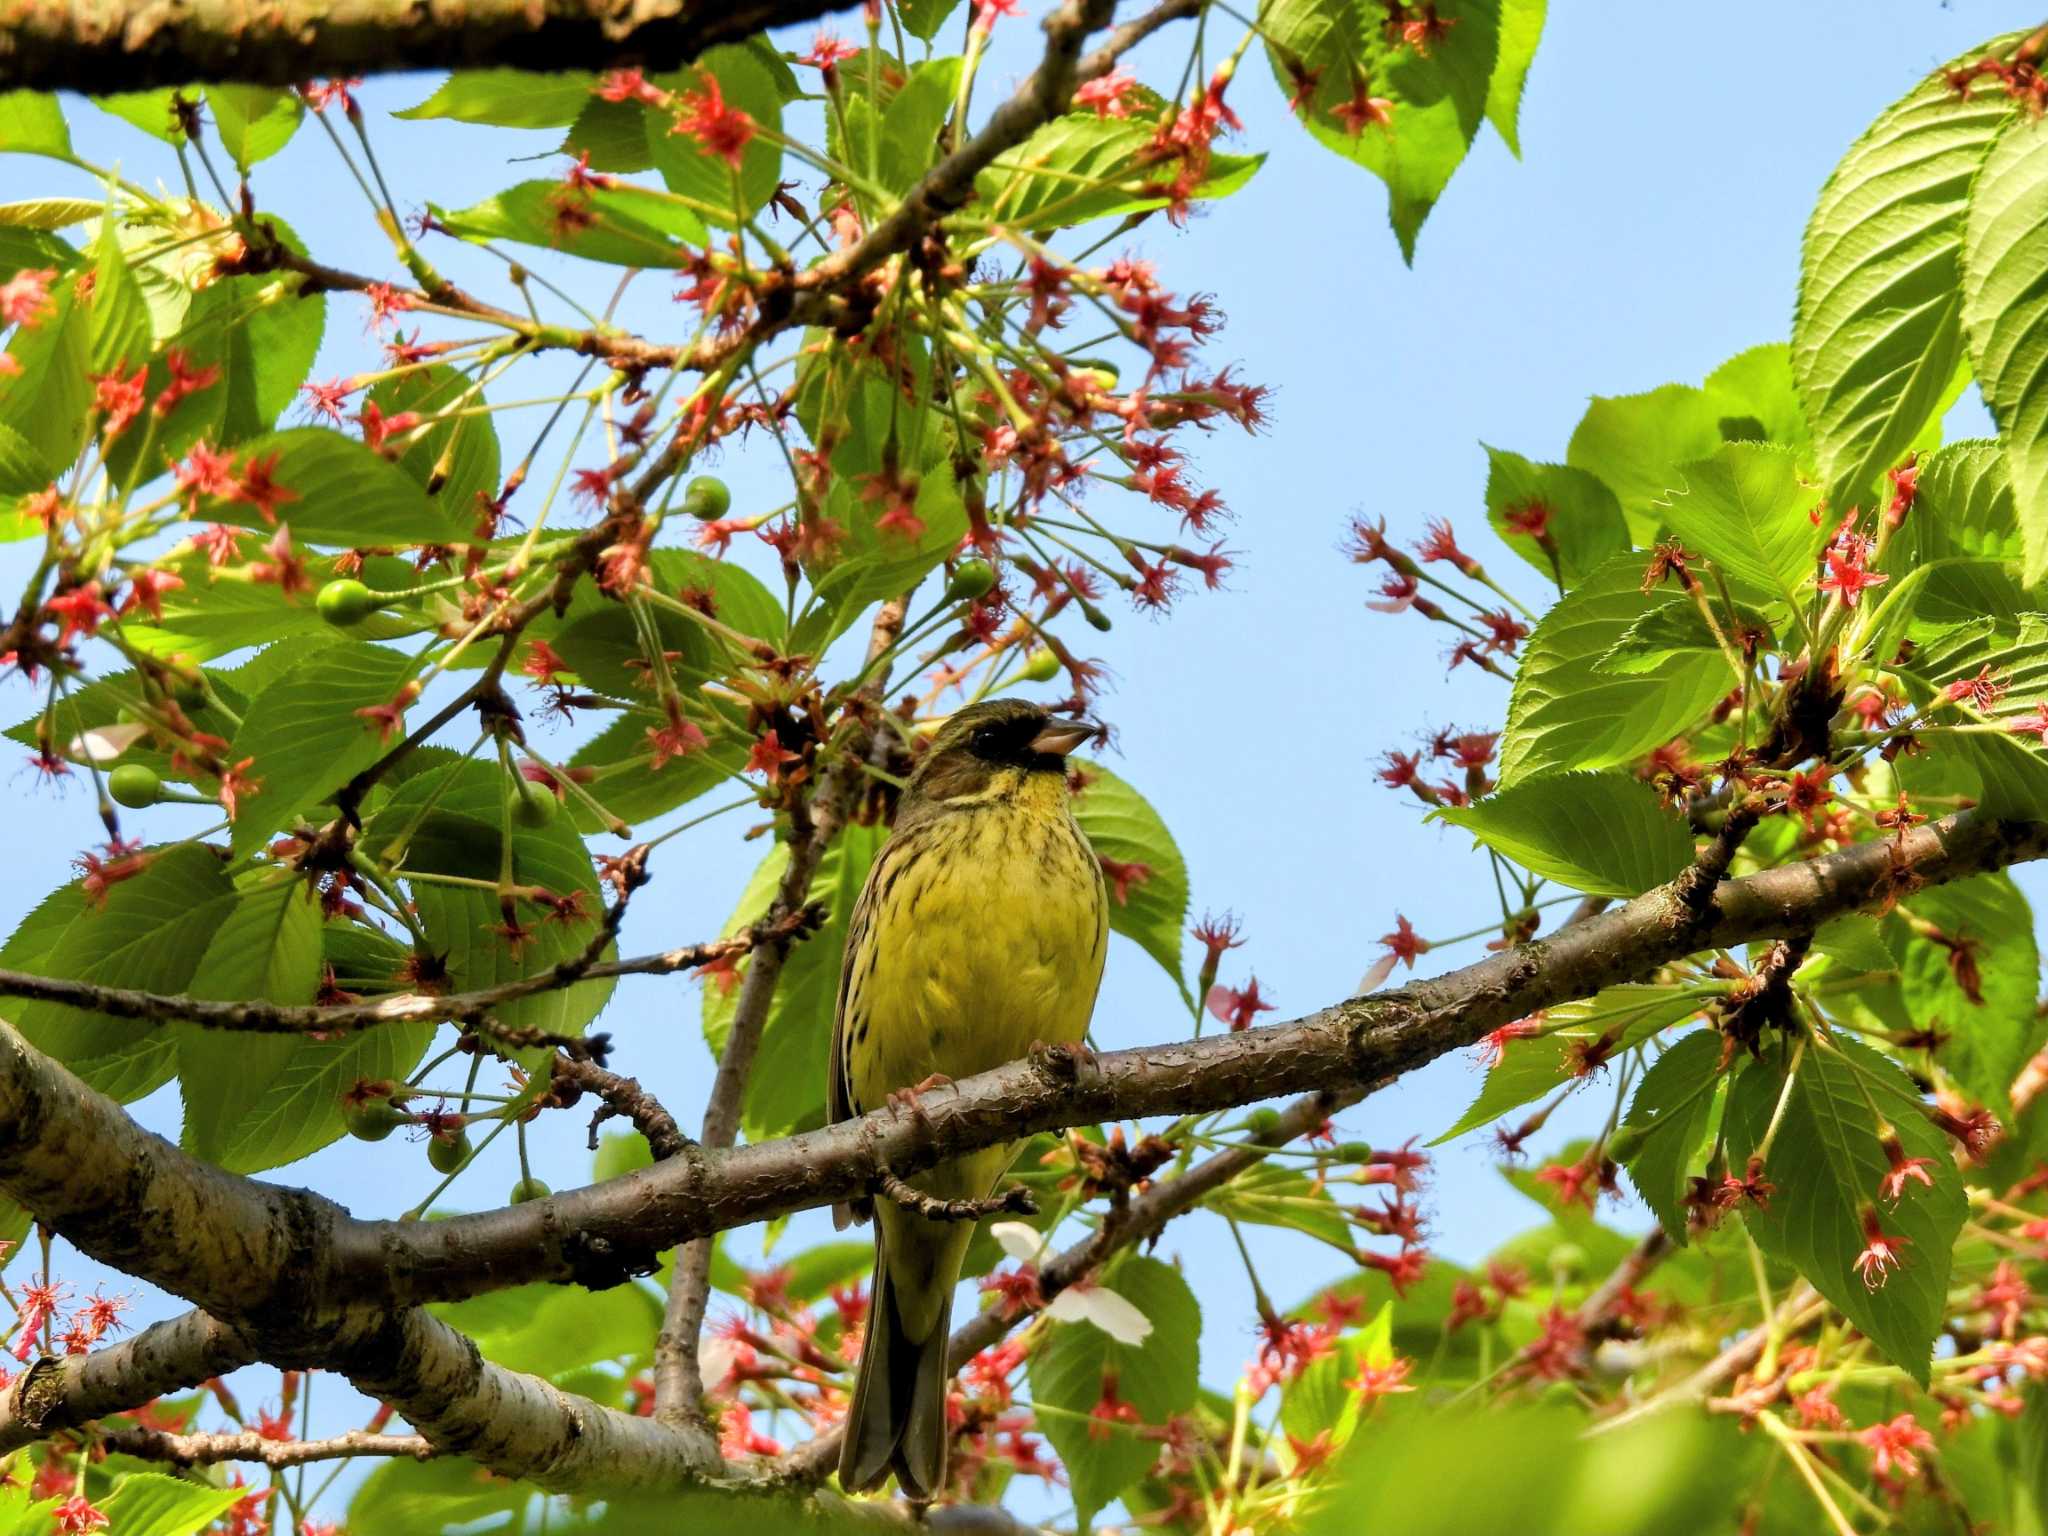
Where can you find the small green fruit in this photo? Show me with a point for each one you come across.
(707, 499)
(448, 1153)
(346, 601)
(1263, 1121)
(533, 805)
(134, 786)
(1353, 1152)
(372, 1121)
(1041, 666)
(971, 579)
(527, 1189)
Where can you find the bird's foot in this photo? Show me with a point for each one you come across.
(906, 1099)
(1062, 1061)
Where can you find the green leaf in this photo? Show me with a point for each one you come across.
(1989, 1038)
(911, 123)
(623, 225)
(118, 336)
(1521, 25)
(22, 470)
(1757, 386)
(1437, 99)
(1274, 1196)
(1579, 515)
(304, 738)
(787, 1089)
(1963, 507)
(151, 111)
(450, 818)
(434, 1496)
(1532, 1066)
(149, 1504)
(31, 123)
(49, 213)
(273, 334)
(455, 462)
(1877, 333)
(2009, 765)
(2005, 315)
(506, 98)
(1606, 834)
(747, 85)
(1636, 443)
(1158, 1378)
(1746, 510)
(923, 18)
(1670, 1110)
(254, 121)
(874, 563)
(256, 1101)
(46, 398)
(1564, 712)
(341, 493)
(149, 935)
(548, 1330)
(1121, 825)
(1081, 167)
(613, 134)
(632, 788)
(1826, 1164)
(1676, 630)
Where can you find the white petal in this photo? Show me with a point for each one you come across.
(714, 1361)
(1105, 1309)
(1372, 980)
(104, 743)
(1020, 1240)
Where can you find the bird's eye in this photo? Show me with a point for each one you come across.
(984, 738)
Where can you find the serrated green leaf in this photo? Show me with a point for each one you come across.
(304, 738)
(1158, 1378)
(1329, 56)
(1121, 825)
(1988, 1038)
(22, 470)
(31, 123)
(1579, 516)
(1746, 510)
(1082, 167)
(1636, 443)
(1676, 630)
(747, 84)
(1963, 506)
(456, 462)
(2005, 316)
(632, 788)
(45, 397)
(149, 935)
(1606, 834)
(547, 1330)
(923, 18)
(622, 225)
(254, 122)
(1565, 713)
(1275, 1196)
(1670, 1110)
(506, 98)
(435, 1496)
(1877, 334)
(1826, 1165)
(340, 493)
(153, 112)
(49, 213)
(118, 336)
(1532, 1066)
(150, 1504)
(613, 134)
(448, 819)
(1521, 27)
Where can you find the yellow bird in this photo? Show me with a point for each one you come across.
(981, 930)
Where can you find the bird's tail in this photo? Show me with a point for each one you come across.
(898, 1418)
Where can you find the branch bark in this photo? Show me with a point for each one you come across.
(137, 45)
(171, 1356)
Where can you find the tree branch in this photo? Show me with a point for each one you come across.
(204, 1450)
(136, 45)
(69, 1391)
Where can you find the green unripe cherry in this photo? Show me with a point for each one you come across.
(971, 579)
(707, 499)
(372, 1121)
(346, 601)
(134, 786)
(527, 1189)
(1041, 666)
(448, 1153)
(533, 805)
(1263, 1121)
(1353, 1152)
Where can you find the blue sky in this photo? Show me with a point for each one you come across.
(1672, 156)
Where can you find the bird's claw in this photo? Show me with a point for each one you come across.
(1063, 1060)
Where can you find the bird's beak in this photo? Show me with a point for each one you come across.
(1063, 736)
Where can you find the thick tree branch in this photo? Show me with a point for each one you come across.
(251, 1251)
(135, 45)
(72, 1390)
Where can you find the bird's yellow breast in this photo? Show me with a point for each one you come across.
(987, 932)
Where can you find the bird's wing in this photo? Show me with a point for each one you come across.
(838, 1083)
